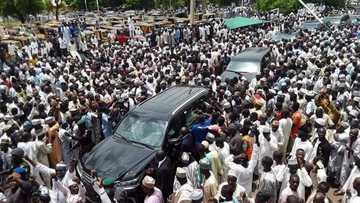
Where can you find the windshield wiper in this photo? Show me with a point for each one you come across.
(124, 138)
(143, 144)
(132, 141)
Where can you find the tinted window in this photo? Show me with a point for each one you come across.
(176, 123)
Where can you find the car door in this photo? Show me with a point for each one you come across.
(183, 118)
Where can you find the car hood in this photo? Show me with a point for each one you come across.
(113, 158)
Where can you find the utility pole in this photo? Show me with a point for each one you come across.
(57, 10)
(192, 11)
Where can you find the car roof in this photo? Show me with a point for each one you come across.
(253, 54)
(170, 101)
(248, 61)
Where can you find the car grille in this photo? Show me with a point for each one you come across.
(87, 181)
(91, 195)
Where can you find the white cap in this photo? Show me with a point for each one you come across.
(4, 140)
(320, 121)
(49, 120)
(71, 183)
(210, 137)
(292, 161)
(227, 105)
(310, 93)
(185, 156)
(266, 129)
(354, 113)
(148, 182)
(180, 172)
(36, 121)
(205, 144)
(4, 126)
(232, 173)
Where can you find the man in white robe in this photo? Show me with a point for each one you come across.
(278, 134)
(302, 142)
(192, 171)
(285, 125)
(297, 167)
(352, 151)
(239, 190)
(244, 168)
(347, 189)
(74, 193)
(183, 193)
(268, 182)
(268, 144)
(291, 189)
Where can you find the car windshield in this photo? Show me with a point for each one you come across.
(143, 130)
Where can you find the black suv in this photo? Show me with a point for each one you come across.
(150, 127)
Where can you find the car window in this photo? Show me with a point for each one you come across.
(142, 129)
(192, 114)
(190, 118)
(176, 123)
(185, 118)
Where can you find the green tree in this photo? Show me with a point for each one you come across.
(335, 3)
(112, 3)
(20, 9)
(80, 4)
(224, 2)
(140, 4)
(169, 3)
(285, 6)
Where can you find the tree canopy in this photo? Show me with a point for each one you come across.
(284, 5)
(291, 5)
(20, 9)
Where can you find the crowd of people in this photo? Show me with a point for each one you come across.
(263, 140)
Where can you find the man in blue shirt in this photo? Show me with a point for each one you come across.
(200, 129)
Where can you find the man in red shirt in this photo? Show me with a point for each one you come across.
(296, 118)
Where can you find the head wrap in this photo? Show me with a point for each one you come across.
(180, 172)
(205, 164)
(148, 182)
(18, 152)
(205, 144)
